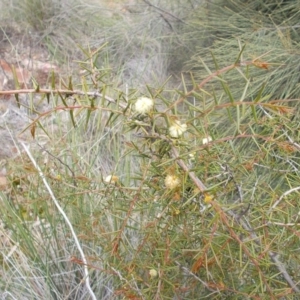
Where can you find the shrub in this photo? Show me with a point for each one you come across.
(202, 214)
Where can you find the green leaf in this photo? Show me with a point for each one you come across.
(238, 60)
(72, 118)
(258, 97)
(70, 85)
(18, 100)
(88, 115)
(215, 61)
(63, 99)
(17, 84)
(253, 109)
(52, 80)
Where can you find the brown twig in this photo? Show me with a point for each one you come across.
(209, 78)
(164, 11)
(61, 92)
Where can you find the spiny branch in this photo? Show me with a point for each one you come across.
(201, 186)
(61, 92)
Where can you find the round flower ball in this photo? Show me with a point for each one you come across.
(111, 179)
(143, 105)
(206, 140)
(177, 129)
(172, 181)
(153, 273)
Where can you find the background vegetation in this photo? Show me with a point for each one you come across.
(226, 227)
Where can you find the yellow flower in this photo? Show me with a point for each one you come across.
(175, 211)
(153, 273)
(111, 179)
(58, 177)
(172, 181)
(208, 198)
(177, 129)
(143, 105)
